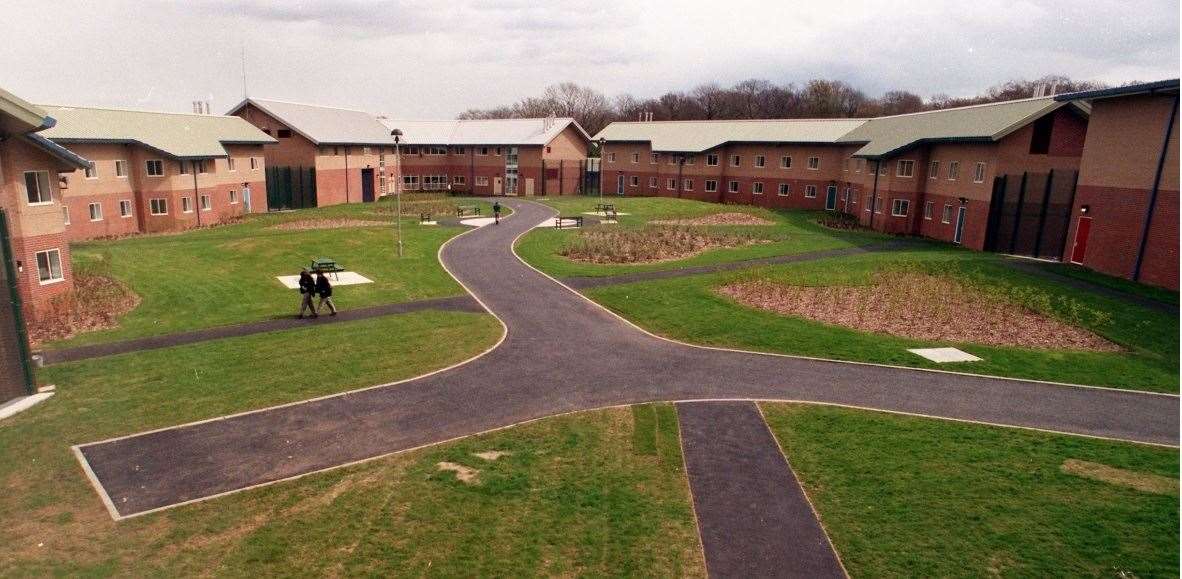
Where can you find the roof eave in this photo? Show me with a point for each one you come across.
(69, 157)
(1169, 86)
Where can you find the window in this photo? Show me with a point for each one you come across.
(934, 170)
(689, 184)
(671, 184)
(96, 212)
(201, 166)
(905, 168)
(757, 188)
(689, 159)
(785, 189)
(634, 181)
(125, 208)
(736, 160)
(979, 173)
(283, 133)
(858, 165)
(459, 180)
(611, 157)
(814, 163)
(49, 266)
(878, 203)
(482, 181)
(234, 194)
(732, 186)
(37, 187)
(953, 170)
(65, 215)
(810, 191)
(91, 171)
(411, 182)
(230, 164)
(205, 203)
(672, 159)
(1040, 138)
(652, 182)
(366, 150)
(869, 203)
(436, 151)
(899, 207)
(786, 162)
(186, 204)
(946, 217)
(711, 186)
(881, 170)
(121, 168)
(927, 210)
(254, 163)
(483, 152)
(653, 158)
(760, 161)
(497, 151)
(461, 150)
(158, 206)
(711, 160)
(635, 157)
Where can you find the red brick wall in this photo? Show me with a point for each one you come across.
(35, 295)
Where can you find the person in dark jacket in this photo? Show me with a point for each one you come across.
(497, 212)
(325, 290)
(307, 290)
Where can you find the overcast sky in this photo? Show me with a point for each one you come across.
(428, 58)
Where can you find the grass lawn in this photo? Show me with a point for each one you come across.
(226, 275)
(912, 497)
(598, 493)
(794, 232)
(690, 309)
(1120, 284)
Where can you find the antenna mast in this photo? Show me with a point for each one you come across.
(244, 95)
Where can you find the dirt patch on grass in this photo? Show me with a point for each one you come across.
(648, 245)
(923, 307)
(304, 224)
(95, 303)
(733, 218)
(1144, 482)
(468, 476)
(491, 455)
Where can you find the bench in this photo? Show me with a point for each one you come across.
(559, 221)
(424, 217)
(326, 265)
(610, 214)
(605, 207)
(466, 210)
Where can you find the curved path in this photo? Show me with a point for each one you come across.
(562, 353)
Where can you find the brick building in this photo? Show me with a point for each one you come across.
(328, 155)
(154, 172)
(31, 170)
(930, 173)
(1125, 212)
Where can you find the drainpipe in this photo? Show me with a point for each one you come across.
(346, 174)
(14, 296)
(472, 170)
(196, 193)
(874, 192)
(680, 181)
(1161, 163)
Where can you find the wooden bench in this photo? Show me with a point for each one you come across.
(605, 207)
(326, 265)
(424, 217)
(466, 210)
(610, 214)
(559, 221)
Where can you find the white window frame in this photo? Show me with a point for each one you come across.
(90, 172)
(95, 210)
(953, 170)
(654, 158)
(687, 184)
(979, 172)
(635, 158)
(712, 160)
(44, 197)
(810, 191)
(611, 157)
(905, 168)
(814, 164)
(732, 186)
(481, 181)
(736, 160)
(928, 208)
(65, 214)
(234, 193)
(784, 190)
(125, 208)
(121, 168)
(934, 170)
(634, 181)
(205, 203)
(711, 186)
(158, 206)
(897, 204)
(671, 184)
(786, 162)
(254, 163)
(757, 188)
(150, 163)
(760, 161)
(186, 204)
(652, 182)
(946, 216)
(231, 165)
(54, 277)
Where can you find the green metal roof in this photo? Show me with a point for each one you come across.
(180, 135)
(698, 136)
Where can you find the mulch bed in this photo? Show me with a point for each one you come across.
(648, 245)
(718, 219)
(304, 224)
(95, 303)
(922, 307)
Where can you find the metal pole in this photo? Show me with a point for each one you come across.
(398, 193)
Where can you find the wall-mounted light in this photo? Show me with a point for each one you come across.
(964, 201)
(20, 266)
(1084, 209)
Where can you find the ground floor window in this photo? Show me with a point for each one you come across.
(234, 194)
(810, 191)
(65, 215)
(411, 182)
(96, 212)
(711, 186)
(125, 208)
(757, 188)
(652, 182)
(869, 203)
(186, 204)
(732, 186)
(634, 181)
(206, 205)
(946, 217)
(785, 189)
(927, 210)
(158, 206)
(459, 180)
(899, 207)
(671, 184)
(689, 184)
(482, 181)
(49, 266)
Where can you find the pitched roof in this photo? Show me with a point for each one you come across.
(324, 125)
(1162, 86)
(181, 135)
(19, 116)
(69, 157)
(481, 131)
(698, 136)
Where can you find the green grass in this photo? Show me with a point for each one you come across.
(911, 497)
(1120, 284)
(226, 275)
(689, 309)
(793, 232)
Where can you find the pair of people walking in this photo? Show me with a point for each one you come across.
(315, 287)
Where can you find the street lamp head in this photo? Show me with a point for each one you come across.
(397, 134)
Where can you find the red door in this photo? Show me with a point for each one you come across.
(1083, 228)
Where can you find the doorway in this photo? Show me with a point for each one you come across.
(958, 235)
(1083, 228)
(498, 186)
(831, 198)
(619, 184)
(367, 186)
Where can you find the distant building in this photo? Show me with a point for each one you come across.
(155, 172)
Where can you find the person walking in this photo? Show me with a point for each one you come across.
(307, 289)
(497, 212)
(325, 290)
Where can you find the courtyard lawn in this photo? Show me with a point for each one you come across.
(1162, 295)
(585, 494)
(690, 309)
(791, 232)
(911, 497)
(226, 275)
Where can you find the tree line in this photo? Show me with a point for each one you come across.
(756, 99)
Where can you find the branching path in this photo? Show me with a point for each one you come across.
(562, 353)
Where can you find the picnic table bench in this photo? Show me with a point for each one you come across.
(605, 207)
(326, 265)
(424, 217)
(464, 210)
(610, 214)
(559, 221)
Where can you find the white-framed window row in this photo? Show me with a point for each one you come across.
(712, 160)
(905, 168)
(49, 267)
(158, 206)
(757, 188)
(482, 181)
(900, 207)
(979, 172)
(953, 170)
(125, 208)
(459, 180)
(37, 189)
(786, 162)
(760, 161)
(732, 186)
(711, 186)
(96, 211)
(946, 216)
(121, 168)
(934, 170)
(784, 190)
(206, 203)
(689, 159)
(671, 184)
(688, 184)
(810, 191)
(814, 163)
(154, 168)
(928, 207)
(186, 204)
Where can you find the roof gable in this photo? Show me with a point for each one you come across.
(698, 136)
(535, 131)
(181, 135)
(324, 125)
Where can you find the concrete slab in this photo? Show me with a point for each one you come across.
(944, 355)
(337, 279)
(600, 213)
(478, 221)
(564, 224)
(17, 405)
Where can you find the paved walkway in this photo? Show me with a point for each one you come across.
(753, 516)
(563, 353)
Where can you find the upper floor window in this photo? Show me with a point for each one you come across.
(120, 168)
(979, 173)
(37, 187)
(1040, 138)
(635, 157)
(934, 170)
(905, 168)
(689, 159)
(653, 158)
(786, 162)
(283, 133)
(184, 167)
(711, 160)
(953, 170)
(760, 161)
(91, 171)
(230, 164)
(736, 160)
(254, 163)
(611, 157)
(814, 163)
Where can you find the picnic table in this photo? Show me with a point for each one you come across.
(326, 265)
(605, 207)
(464, 210)
(561, 222)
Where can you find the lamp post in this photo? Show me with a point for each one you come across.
(602, 143)
(397, 134)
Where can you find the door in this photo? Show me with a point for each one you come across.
(529, 186)
(498, 185)
(367, 185)
(1083, 228)
(619, 184)
(246, 198)
(958, 235)
(831, 198)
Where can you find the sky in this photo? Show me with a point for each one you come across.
(433, 59)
